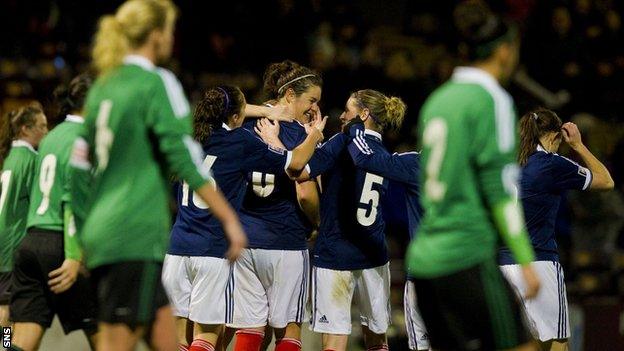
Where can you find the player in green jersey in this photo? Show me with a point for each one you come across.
(467, 130)
(21, 133)
(137, 132)
(45, 277)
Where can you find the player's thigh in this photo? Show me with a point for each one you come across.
(285, 277)
(332, 293)
(418, 339)
(251, 307)
(373, 297)
(77, 307)
(129, 293)
(212, 300)
(177, 282)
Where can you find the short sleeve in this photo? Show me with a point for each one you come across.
(262, 157)
(569, 175)
(325, 156)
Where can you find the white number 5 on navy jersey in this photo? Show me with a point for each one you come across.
(370, 197)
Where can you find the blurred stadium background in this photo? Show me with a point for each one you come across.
(572, 61)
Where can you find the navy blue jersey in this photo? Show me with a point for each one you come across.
(543, 180)
(270, 214)
(231, 154)
(351, 235)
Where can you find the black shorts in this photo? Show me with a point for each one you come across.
(5, 288)
(129, 293)
(39, 253)
(473, 309)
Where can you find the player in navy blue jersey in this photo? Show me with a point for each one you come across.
(404, 169)
(350, 255)
(271, 277)
(196, 273)
(544, 177)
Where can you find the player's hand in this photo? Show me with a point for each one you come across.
(531, 282)
(313, 235)
(355, 121)
(237, 238)
(279, 113)
(318, 121)
(571, 135)
(268, 131)
(64, 277)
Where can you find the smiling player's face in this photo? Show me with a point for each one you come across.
(303, 104)
(351, 110)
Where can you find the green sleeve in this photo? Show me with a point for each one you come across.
(79, 178)
(168, 118)
(498, 174)
(72, 247)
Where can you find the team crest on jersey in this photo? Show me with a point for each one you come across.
(277, 150)
(582, 171)
(80, 155)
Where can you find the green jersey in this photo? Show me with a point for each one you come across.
(16, 180)
(467, 130)
(137, 128)
(51, 192)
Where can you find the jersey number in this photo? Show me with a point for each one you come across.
(197, 201)
(103, 135)
(46, 181)
(5, 179)
(262, 184)
(435, 139)
(370, 197)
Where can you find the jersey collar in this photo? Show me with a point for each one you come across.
(473, 75)
(140, 61)
(226, 127)
(22, 143)
(540, 148)
(74, 119)
(373, 133)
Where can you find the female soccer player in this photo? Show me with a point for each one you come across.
(467, 130)
(271, 277)
(137, 128)
(46, 279)
(350, 255)
(545, 175)
(195, 272)
(21, 133)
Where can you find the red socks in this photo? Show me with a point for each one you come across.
(248, 340)
(288, 344)
(182, 347)
(201, 345)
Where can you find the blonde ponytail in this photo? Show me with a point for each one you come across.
(386, 112)
(128, 29)
(395, 111)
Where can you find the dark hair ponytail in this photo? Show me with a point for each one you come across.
(215, 108)
(281, 76)
(12, 125)
(70, 98)
(533, 126)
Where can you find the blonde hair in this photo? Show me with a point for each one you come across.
(129, 28)
(386, 111)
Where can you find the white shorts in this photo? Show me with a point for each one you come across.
(418, 338)
(332, 293)
(200, 288)
(548, 311)
(270, 286)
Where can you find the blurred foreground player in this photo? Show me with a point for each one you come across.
(137, 130)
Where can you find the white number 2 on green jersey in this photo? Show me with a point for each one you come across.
(5, 179)
(198, 202)
(435, 138)
(103, 135)
(46, 181)
(369, 196)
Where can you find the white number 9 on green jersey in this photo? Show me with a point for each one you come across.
(434, 138)
(46, 181)
(198, 202)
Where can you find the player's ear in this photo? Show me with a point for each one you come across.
(290, 95)
(364, 114)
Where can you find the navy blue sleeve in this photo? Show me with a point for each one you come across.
(402, 168)
(568, 175)
(261, 157)
(325, 156)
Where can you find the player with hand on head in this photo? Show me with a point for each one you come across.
(467, 131)
(544, 177)
(137, 130)
(21, 133)
(196, 272)
(46, 279)
(271, 277)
